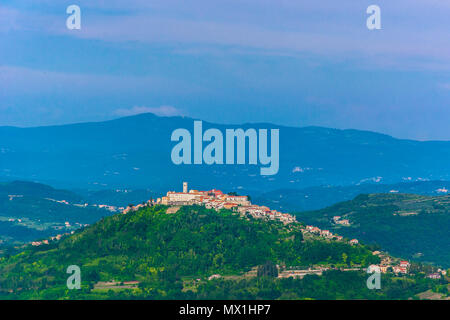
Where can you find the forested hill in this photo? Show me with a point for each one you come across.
(407, 225)
(173, 256)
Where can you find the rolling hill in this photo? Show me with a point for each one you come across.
(29, 211)
(149, 254)
(412, 226)
(37, 190)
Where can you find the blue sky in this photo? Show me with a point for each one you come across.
(289, 62)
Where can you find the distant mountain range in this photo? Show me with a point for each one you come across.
(135, 152)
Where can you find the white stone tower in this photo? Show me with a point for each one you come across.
(185, 187)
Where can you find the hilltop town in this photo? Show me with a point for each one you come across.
(216, 199)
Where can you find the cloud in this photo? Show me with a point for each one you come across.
(411, 29)
(164, 111)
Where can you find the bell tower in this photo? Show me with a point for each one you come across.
(185, 187)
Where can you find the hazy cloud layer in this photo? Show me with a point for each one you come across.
(292, 62)
(410, 28)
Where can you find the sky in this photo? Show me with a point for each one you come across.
(289, 62)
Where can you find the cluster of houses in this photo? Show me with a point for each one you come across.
(339, 220)
(216, 199)
(47, 241)
(84, 205)
(101, 206)
(387, 264)
(327, 234)
(384, 267)
(12, 196)
(436, 275)
(108, 207)
(402, 267)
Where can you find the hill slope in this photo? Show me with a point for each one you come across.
(407, 225)
(154, 255)
(135, 152)
(37, 190)
(29, 211)
(159, 250)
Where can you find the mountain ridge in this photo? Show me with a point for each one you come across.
(135, 152)
(245, 124)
